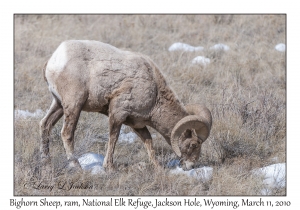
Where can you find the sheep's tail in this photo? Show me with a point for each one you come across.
(44, 71)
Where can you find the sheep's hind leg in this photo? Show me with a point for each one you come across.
(71, 116)
(53, 115)
(145, 135)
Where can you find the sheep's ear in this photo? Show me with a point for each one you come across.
(193, 133)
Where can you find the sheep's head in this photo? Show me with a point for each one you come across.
(189, 134)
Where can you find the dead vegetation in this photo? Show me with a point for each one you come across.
(245, 89)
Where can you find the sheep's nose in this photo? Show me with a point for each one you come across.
(189, 165)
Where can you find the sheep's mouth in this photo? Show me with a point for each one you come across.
(185, 168)
(183, 164)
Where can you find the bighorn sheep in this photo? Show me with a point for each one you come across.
(127, 87)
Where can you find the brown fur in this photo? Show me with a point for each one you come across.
(127, 87)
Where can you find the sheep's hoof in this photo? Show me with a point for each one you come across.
(46, 171)
(74, 166)
(110, 169)
(45, 160)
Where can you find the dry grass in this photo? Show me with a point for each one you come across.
(245, 88)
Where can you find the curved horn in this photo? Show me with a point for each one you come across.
(200, 110)
(199, 119)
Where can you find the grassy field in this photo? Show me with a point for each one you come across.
(245, 89)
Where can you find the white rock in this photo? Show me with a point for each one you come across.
(184, 47)
(126, 137)
(26, 114)
(220, 47)
(273, 177)
(97, 169)
(203, 173)
(92, 162)
(201, 60)
(280, 47)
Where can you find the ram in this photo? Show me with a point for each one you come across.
(129, 88)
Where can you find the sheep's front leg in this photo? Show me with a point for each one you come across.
(145, 136)
(71, 116)
(114, 131)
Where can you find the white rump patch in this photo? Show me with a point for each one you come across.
(23, 114)
(203, 173)
(92, 162)
(59, 59)
(280, 47)
(273, 177)
(201, 60)
(55, 65)
(184, 47)
(220, 47)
